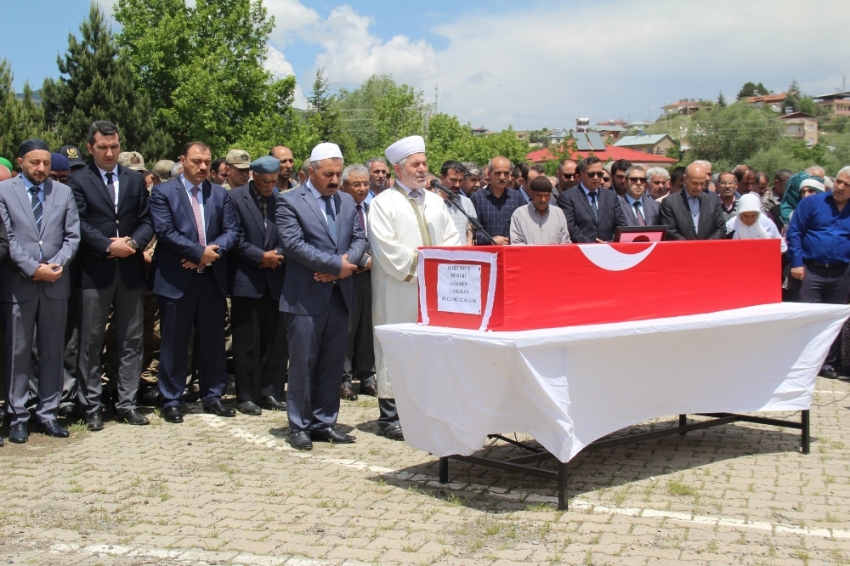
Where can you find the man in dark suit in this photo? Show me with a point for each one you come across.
(323, 243)
(593, 213)
(44, 234)
(115, 226)
(196, 228)
(257, 271)
(638, 208)
(692, 214)
(360, 353)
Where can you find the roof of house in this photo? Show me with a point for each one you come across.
(768, 98)
(610, 152)
(832, 95)
(797, 115)
(648, 139)
(599, 128)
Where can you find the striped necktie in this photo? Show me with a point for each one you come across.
(37, 209)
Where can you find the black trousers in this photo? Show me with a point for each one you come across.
(828, 286)
(260, 347)
(360, 352)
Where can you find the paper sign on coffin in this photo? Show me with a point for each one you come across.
(530, 287)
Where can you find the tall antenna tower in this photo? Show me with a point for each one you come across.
(436, 98)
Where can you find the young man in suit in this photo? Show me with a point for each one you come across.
(257, 271)
(638, 208)
(593, 213)
(323, 243)
(692, 214)
(115, 227)
(44, 234)
(196, 228)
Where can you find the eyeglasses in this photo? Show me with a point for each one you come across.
(597, 174)
(637, 179)
(606, 179)
(569, 175)
(357, 184)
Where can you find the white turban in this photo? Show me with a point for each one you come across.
(762, 228)
(404, 147)
(325, 151)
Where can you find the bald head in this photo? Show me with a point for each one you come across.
(287, 164)
(695, 178)
(500, 175)
(816, 171)
(5, 173)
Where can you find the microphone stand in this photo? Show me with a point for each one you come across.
(455, 200)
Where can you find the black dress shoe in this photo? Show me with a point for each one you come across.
(347, 391)
(828, 373)
(331, 435)
(368, 387)
(300, 440)
(18, 433)
(148, 397)
(249, 408)
(70, 412)
(94, 420)
(220, 409)
(132, 416)
(272, 404)
(394, 432)
(173, 414)
(52, 428)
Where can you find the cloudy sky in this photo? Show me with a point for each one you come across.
(526, 64)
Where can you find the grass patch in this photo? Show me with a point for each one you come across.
(679, 488)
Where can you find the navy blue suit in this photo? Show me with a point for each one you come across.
(316, 313)
(259, 329)
(188, 298)
(583, 225)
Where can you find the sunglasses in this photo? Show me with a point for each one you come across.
(637, 179)
(569, 175)
(597, 174)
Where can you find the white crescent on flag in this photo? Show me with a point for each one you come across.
(608, 258)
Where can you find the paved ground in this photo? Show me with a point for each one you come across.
(231, 491)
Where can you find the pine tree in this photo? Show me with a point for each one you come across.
(323, 111)
(721, 100)
(20, 118)
(96, 84)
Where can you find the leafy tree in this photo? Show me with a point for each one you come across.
(97, 85)
(794, 154)
(380, 112)
(751, 89)
(731, 135)
(449, 139)
(20, 118)
(721, 100)
(323, 115)
(202, 65)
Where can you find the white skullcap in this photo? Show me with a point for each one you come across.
(404, 147)
(813, 183)
(325, 151)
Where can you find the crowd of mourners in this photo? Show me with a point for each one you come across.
(127, 286)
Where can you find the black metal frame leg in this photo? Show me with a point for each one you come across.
(804, 436)
(444, 469)
(563, 476)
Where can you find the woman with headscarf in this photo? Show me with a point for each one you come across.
(751, 224)
(792, 195)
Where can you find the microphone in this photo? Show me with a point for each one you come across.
(435, 184)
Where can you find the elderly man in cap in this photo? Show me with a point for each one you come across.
(256, 278)
(401, 219)
(537, 222)
(44, 234)
(60, 168)
(238, 163)
(323, 243)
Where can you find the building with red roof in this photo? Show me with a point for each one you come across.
(610, 153)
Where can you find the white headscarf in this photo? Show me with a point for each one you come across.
(762, 228)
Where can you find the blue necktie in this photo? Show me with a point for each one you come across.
(37, 210)
(331, 216)
(593, 204)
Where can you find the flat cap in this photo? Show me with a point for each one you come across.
(266, 165)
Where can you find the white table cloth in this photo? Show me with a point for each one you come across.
(567, 387)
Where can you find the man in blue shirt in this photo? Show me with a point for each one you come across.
(819, 250)
(495, 204)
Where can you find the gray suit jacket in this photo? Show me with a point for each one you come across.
(676, 214)
(56, 242)
(651, 211)
(310, 247)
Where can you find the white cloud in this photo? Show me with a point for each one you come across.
(279, 67)
(289, 16)
(352, 54)
(546, 65)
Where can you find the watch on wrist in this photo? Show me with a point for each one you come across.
(132, 243)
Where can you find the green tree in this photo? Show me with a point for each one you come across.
(449, 139)
(202, 65)
(751, 89)
(721, 100)
(323, 114)
(20, 118)
(95, 84)
(731, 135)
(380, 112)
